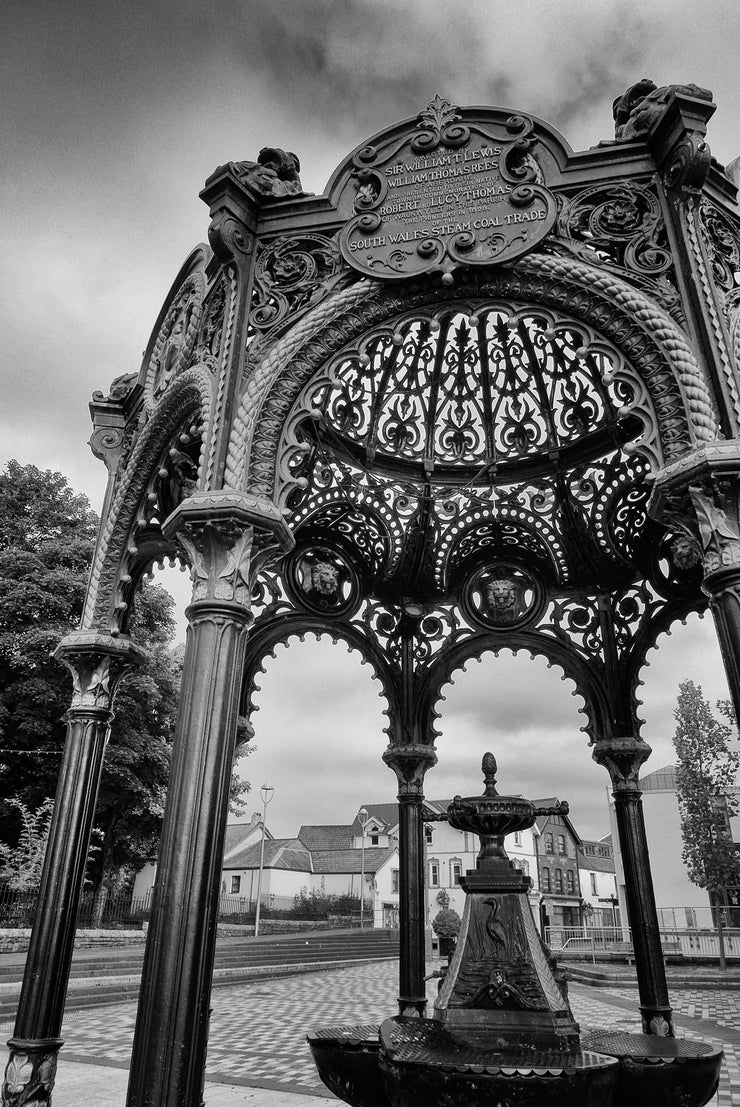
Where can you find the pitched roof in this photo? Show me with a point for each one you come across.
(384, 813)
(325, 837)
(280, 853)
(541, 820)
(236, 832)
(387, 814)
(350, 860)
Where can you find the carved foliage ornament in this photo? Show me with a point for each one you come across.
(719, 535)
(289, 274)
(618, 222)
(208, 346)
(219, 553)
(175, 341)
(29, 1078)
(722, 241)
(452, 192)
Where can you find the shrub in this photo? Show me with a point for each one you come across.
(446, 924)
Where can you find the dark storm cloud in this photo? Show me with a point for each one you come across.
(114, 114)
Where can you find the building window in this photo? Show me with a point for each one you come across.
(569, 882)
(517, 837)
(548, 844)
(428, 831)
(593, 883)
(434, 873)
(455, 871)
(545, 880)
(561, 845)
(521, 864)
(558, 880)
(236, 884)
(394, 881)
(374, 839)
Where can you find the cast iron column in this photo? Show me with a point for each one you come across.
(97, 662)
(169, 1053)
(623, 758)
(410, 763)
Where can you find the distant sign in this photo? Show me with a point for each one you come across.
(448, 194)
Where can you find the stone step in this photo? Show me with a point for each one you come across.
(95, 992)
(244, 953)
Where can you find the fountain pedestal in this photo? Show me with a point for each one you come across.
(503, 1031)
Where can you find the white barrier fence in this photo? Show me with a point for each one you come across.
(590, 941)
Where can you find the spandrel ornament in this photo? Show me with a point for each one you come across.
(176, 337)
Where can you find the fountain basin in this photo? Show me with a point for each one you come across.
(346, 1059)
(660, 1070)
(421, 1063)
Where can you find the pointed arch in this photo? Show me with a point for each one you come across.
(118, 562)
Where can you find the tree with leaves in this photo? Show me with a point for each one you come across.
(706, 773)
(20, 868)
(47, 538)
(47, 535)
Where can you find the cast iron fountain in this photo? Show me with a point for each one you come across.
(503, 1032)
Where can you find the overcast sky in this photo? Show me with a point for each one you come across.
(113, 116)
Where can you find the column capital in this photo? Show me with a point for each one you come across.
(622, 758)
(216, 530)
(712, 461)
(97, 660)
(698, 496)
(410, 764)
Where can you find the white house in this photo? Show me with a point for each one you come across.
(238, 835)
(598, 883)
(449, 853)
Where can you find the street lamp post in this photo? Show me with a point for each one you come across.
(364, 818)
(266, 791)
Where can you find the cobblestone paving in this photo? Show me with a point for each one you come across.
(258, 1030)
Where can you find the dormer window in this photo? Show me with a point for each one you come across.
(374, 839)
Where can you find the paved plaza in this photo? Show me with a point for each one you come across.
(257, 1038)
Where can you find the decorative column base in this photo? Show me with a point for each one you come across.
(29, 1077)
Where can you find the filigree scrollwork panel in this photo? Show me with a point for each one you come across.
(481, 387)
(290, 275)
(722, 240)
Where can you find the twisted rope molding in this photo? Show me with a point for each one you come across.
(191, 389)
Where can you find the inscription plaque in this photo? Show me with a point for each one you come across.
(450, 193)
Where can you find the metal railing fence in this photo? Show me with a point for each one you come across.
(688, 942)
(18, 909)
